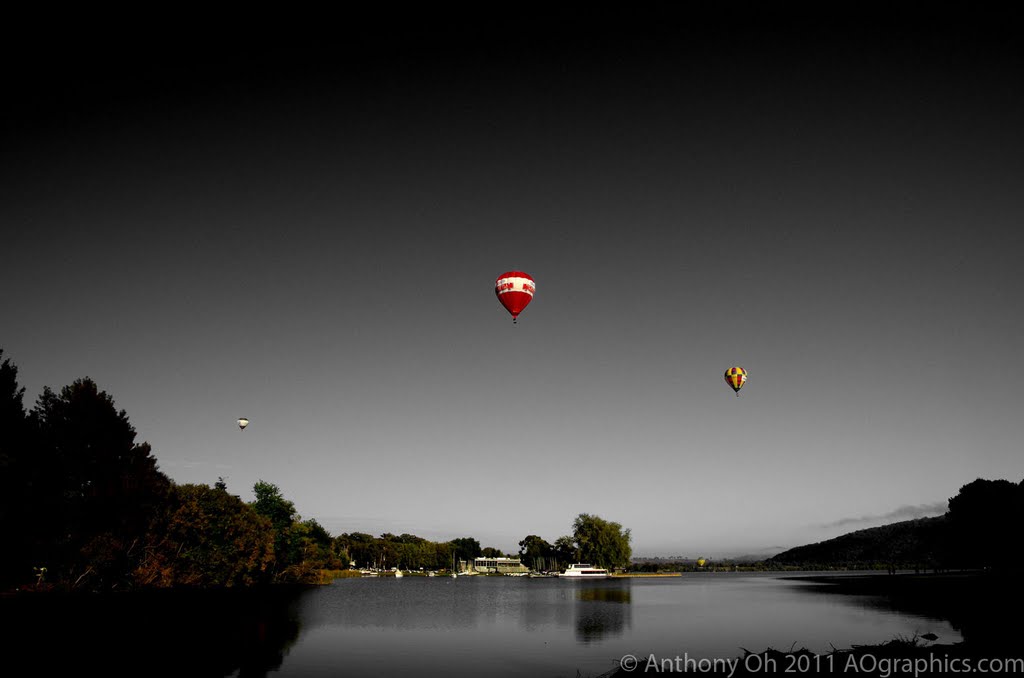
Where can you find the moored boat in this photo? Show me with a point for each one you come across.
(584, 571)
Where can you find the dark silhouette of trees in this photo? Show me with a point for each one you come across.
(96, 489)
(983, 518)
(18, 476)
(84, 506)
(977, 532)
(917, 543)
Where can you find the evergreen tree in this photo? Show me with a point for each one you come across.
(97, 490)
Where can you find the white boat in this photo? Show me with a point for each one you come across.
(584, 571)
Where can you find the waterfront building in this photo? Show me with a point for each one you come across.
(499, 566)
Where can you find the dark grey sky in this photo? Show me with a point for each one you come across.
(308, 235)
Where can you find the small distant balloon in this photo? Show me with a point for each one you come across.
(514, 290)
(700, 562)
(736, 377)
(242, 423)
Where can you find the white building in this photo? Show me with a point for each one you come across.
(499, 565)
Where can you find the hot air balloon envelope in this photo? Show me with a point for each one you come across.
(515, 291)
(242, 423)
(736, 377)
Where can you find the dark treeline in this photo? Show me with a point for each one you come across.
(976, 532)
(83, 506)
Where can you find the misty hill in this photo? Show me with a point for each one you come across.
(909, 543)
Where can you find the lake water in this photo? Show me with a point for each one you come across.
(469, 626)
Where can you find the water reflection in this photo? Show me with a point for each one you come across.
(594, 609)
(406, 604)
(602, 609)
(500, 626)
(964, 600)
(193, 633)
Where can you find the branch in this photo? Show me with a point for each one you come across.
(88, 571)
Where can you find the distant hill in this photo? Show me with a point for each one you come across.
(910, 543)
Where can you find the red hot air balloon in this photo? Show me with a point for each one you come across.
(515, 290)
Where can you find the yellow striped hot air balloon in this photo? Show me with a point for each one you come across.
(736, 377)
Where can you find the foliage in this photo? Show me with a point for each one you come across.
(18, 477)
(600, 542)
(536, 553)
(566, 550)
(466, 548)
(271, 504)
(979, 515)
(302, 547)
(208, 537)
(100, 490)
(972, 534)
(406, 551)
(909, 543)
(594, 540)
(83, 505)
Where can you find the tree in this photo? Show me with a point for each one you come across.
(281, 513)
(360, 547)
(309, 549)
(566, 551)
(13, 418)
(979, 515)
(18, 475)
(491, 552)
(301, 548)
(101, 490)
(270, 503)
(536, 553)
(600, 542)
(465, 548)
(207, 538)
